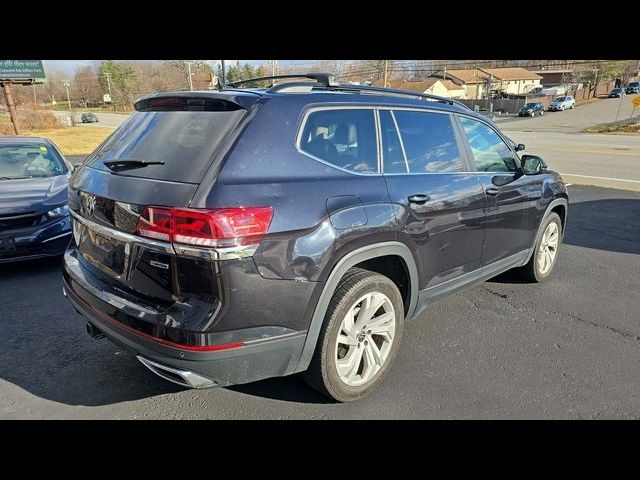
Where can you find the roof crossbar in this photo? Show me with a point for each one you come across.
(324, 79)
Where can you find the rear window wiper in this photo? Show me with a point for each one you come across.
(17, 177)
(120, 165)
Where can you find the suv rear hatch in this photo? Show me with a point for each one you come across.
(157, 158)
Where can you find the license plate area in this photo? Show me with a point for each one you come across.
(107, 254)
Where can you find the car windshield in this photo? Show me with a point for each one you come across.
(530, 105)
(20, 160)
(561, 99)
(634, 84)
(616, 90)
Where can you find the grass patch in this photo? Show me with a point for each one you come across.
(75, 140)
(620, 128)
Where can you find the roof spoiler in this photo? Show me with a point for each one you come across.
(196, 101)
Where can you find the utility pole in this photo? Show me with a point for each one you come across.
(189, 73)
(386, 67)
(8, 96)
(66, 84)
(477, 84)
(274, 67)
(33, 87)
(108, 75)
(223, 74)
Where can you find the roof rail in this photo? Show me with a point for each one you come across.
(324, 79)
(328, 82)
(396, 91)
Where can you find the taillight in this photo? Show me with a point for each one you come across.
(155, 223)
(224, 227)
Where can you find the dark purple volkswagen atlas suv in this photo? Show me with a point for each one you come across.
(231, 235)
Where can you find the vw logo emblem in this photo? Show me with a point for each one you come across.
(89, 205)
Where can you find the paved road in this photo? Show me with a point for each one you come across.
(112, 120)
(591, 159)
(576, 120)
(569, 348)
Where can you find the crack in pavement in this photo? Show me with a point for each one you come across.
(561, 314)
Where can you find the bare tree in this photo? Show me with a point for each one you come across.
(86, 88)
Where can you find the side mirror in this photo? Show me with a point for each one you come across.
(75, 167)
(519, 147)
(533, 165)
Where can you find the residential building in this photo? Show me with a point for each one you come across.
(477, 82)
(432, 86)
(554, 77)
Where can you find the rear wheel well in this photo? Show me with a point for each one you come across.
(562, 212)
(394, 268)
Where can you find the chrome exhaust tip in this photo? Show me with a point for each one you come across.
(184, 378)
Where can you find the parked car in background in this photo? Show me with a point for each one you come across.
(219, 256)
(34, 216)
(562, 103)
(633, 87)
(532, 109)
(616, 93)
(89, 117)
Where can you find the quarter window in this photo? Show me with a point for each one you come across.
(342, 138)
(428, 143)
(490, 153)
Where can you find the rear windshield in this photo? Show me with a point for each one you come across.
(184, 140)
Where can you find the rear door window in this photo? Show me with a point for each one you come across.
(183, 140)
(428, 143)
(343, 138)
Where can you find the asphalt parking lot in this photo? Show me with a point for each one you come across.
(569, 348)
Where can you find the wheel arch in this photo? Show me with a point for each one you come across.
(555, 204)
(348, 261)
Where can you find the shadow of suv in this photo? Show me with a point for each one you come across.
(231, 235)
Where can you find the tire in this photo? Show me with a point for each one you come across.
(322, 374)
(533, 271)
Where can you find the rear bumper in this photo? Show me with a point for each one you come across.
(48, 241)
(255, 359)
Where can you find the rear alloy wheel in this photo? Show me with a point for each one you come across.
(360, 337)
(545, 254)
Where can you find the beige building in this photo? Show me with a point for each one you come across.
(431, 86)
(475, 81)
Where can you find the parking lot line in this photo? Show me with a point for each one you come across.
(599, 178)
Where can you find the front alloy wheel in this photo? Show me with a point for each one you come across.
(546, 255)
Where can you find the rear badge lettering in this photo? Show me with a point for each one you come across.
(153, 263)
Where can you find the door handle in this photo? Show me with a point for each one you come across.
(418, 198)
(492, 191)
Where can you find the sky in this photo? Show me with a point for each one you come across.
(70, 66)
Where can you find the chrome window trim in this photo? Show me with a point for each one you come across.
(376, 107)
(376, 114)
(404, 152)
(303, 124)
